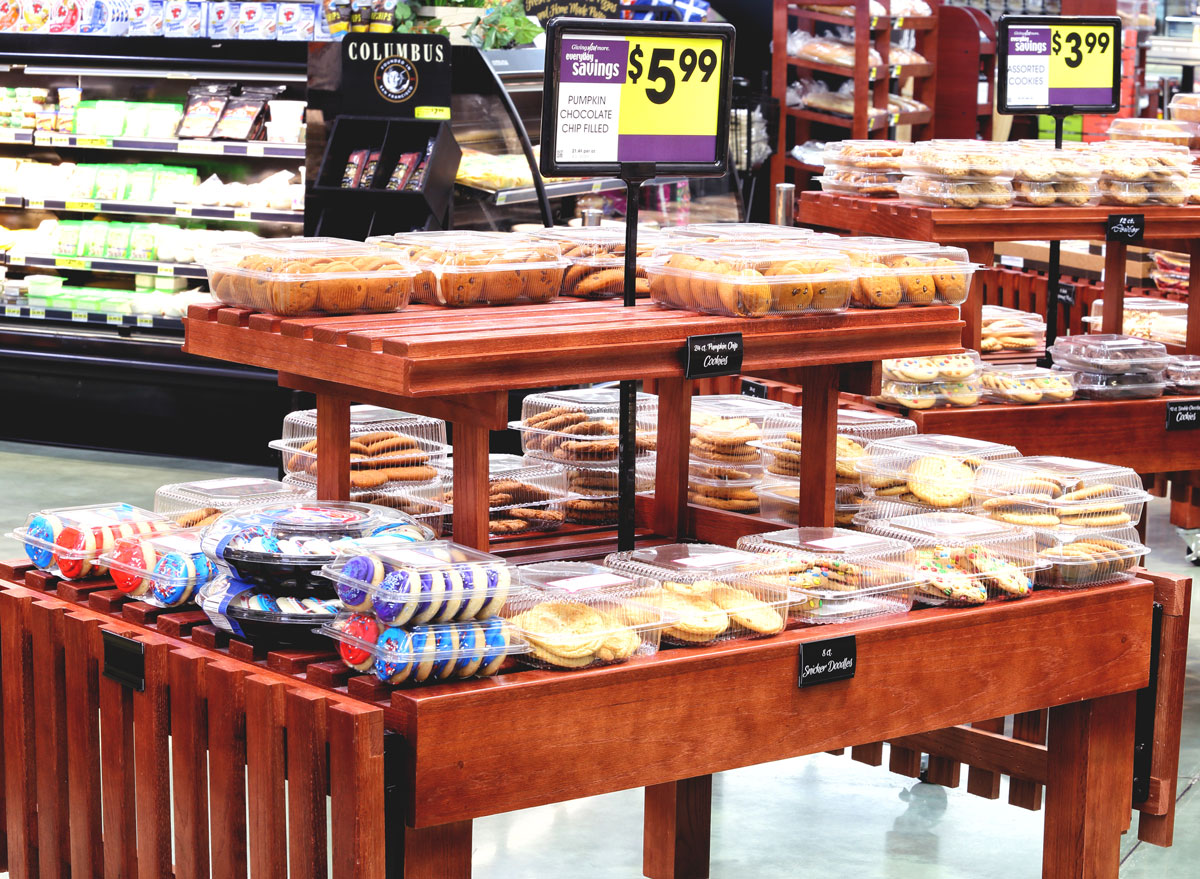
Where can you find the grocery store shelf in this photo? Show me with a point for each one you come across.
(917, 118)
(901, 71)
(142, 321)
(878, 22)
(99, 206)
(12, 201)
(169, 145)
(556, 190)
(124, 266)
(15, 135)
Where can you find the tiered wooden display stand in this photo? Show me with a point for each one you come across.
(408, 770)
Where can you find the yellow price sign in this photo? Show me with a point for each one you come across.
(166, 270)
(113, 320)
(145, 320)
(183, 210)
(36, 204)
(12, 311)
(1081, 60)
(37, 313)
(103, 142)
(64, 262)
(1068, 62)
(82, 205)
(79, 316)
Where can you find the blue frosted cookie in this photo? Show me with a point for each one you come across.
(495, 639)
(393, 657)
(357, 572)
(470, 650)
(498, 580)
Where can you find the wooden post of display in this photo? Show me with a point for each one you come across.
(333, 448)
(983, 253)
(1193, 327)
(676, 836)
(671, 465)
(471, 484)
(1114, 286)
(818, 475)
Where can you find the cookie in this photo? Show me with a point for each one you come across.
(699, 619)
(940, 481)
(747, 610)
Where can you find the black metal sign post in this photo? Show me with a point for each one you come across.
(635, 99)
(1058, 65)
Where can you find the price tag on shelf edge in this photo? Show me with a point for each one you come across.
(12, 311)
(145, 320)
(1058, 63)
(624, 92)
(79, 316)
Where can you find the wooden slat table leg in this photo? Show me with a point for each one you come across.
(1114, 286)
(943, 771)
(1087, 791)
(1193, 327)
(1029, 726)
(333, 448)
(19, 762)
(117, 788)
(871, 753)
(265, 770)
(471, 485)
(676, 837)
(227, 768)
(441, 852)
(356, 791)
(818, 422)
(189, 751)
(671, 467)
(307, 773)
(50, 726)
(82, 667)
(151, 722)
(983, 253)
(983, 782)
(904, 761)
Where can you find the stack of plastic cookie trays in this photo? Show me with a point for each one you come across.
(928, 382)
(1083, 513)
(725, 467)
(396, 460)
(422, 612)
(524, 496)
(964, 560)
(713, 593)
(1010, 335)
(781, 446)
(928, 472)
(837, 576)
(268, 588)
(576, 615)
(577, 431)
(597, 258)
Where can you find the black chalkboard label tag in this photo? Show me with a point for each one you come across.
(124, 660)
(1183, 415)
(1125, 227)
(1066, 293)
(718, 354)
(754, 389)
(822, 662)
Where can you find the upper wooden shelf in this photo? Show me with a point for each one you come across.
(427, 350)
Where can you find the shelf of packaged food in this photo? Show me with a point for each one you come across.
(143, 321)
(123, 266)
(520, 194)
(169, 145)
(900, 71)
(876, 124)
(201, 212)
(16, 135)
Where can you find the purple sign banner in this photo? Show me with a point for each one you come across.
(587, 59)
(666, 147)
(1029, 41)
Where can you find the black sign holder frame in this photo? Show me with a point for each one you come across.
(634, 174)
(1059, 114)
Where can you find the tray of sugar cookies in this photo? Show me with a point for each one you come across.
(1026, 384)
(164, 570)
(926, 382)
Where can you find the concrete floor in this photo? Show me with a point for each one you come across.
(818, 816)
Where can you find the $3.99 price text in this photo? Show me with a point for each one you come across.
(1076, 44)
(661, 69)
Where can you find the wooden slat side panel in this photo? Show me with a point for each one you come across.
(82, 673)
(982, 782)
(1029, 726)
(117, 790)
(50, 727)
(308, 771)
(16, 648)
(189, 763)
(265, 711)
(227, 768)
(151, 724)
(356, 790)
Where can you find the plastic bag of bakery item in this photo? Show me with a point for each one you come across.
(367, 178)
(204, 107)
(360, 16)
(352, 173)
(383, 16)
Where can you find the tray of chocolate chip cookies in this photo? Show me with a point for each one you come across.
(597, 257)
(581, 425)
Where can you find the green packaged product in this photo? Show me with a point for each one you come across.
(66, 237)
(137, 119)
(139, 186)
(141, 241)
(111, 182)
(143, 282)
(117, 243)
(93, 239)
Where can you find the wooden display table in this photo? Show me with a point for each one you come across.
(668, 722)
(978, 229)
(460, 364)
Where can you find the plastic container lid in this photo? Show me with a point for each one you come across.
(422, 654)
(779, 501)
(945, 367)
(1070, 561)
(1142, 161)
(530, 498)
(957, 159)
(947, 193)
(1027, 384)
(193, 504)
(581, 425)
(926, 395)
(870, 154)
(1109, 353)
(294, 276)
(1075, 192)
(870, 184)
(163, 570)
(760, 232)
(414, 584)
(603, 243)
(424, 502)
(1037, 161)
(928, 469)
(1119, 386)
(1185, 106)
(1160, 320)
(748, 279)
(404, 452)
(1183, 373)
(73, 538)
(838, 543)
(895, 271)
(242, 610)
(368, 419)
(1171, 131)
(783, 439)
(964, 559)
(1136, 192)
(707, 407)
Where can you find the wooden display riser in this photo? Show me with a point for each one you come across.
(705, 710)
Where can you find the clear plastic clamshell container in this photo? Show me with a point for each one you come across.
(780, 501)
(593, 490)
(261, 618)
(837, 576)
(281, 548)
(741, 232)
(1119, 386)
(1160, 320)
(1142, 162)
(956, 193)
(597, 257)
(1047, 193)
(931, 471)
(1047, 491)
(72, 539)
(869, 155)
(729, 493)
(521, 501)
(1038, 161)
(893, 271)
(424, 501)
(957, 159)
(295, 276)
(712, 407)
(1131, 193)
(750, 279)
(413, 584)
(713, 593)
(585, 617)
(852, 181)
(962, 559)
(1072, 560)
(195, 504)
(465, 268)
(424, 654)
(1175, 132)
(1185, 106)
(782, 441)
(580, 426)
(1009, 329)
(725, 428)
(1183, 374)
(927, 395)
(163, 569)
(373, 422)
(944, 367)
(1027, 384)
(1110, 353)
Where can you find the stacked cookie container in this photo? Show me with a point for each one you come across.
(725, 467)
(1112, 367)
(957, 174)
(926, 382)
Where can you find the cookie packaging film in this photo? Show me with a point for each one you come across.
(297, 276)
(1009, 329)
(1185, 106)
(1110, 353)
(895, 271)
(950, 160)
(765, 233)
(851, 181)
(281, 548)
(717, 592)
(580, 426)
(866, 155)
(1073, 560)
(1043, 176)
(597, 258)
(1183, 374)
(1119, 386)
(72, 539)
(1175, 132)
(423, 501)
(750, 279)
(463, 268)
(163, 570)
(725, 429)
(964, 560)
(1047, 491)
(925, 382)
(195, 504)
(1027, 384)
(258, 616)
(836, 576)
